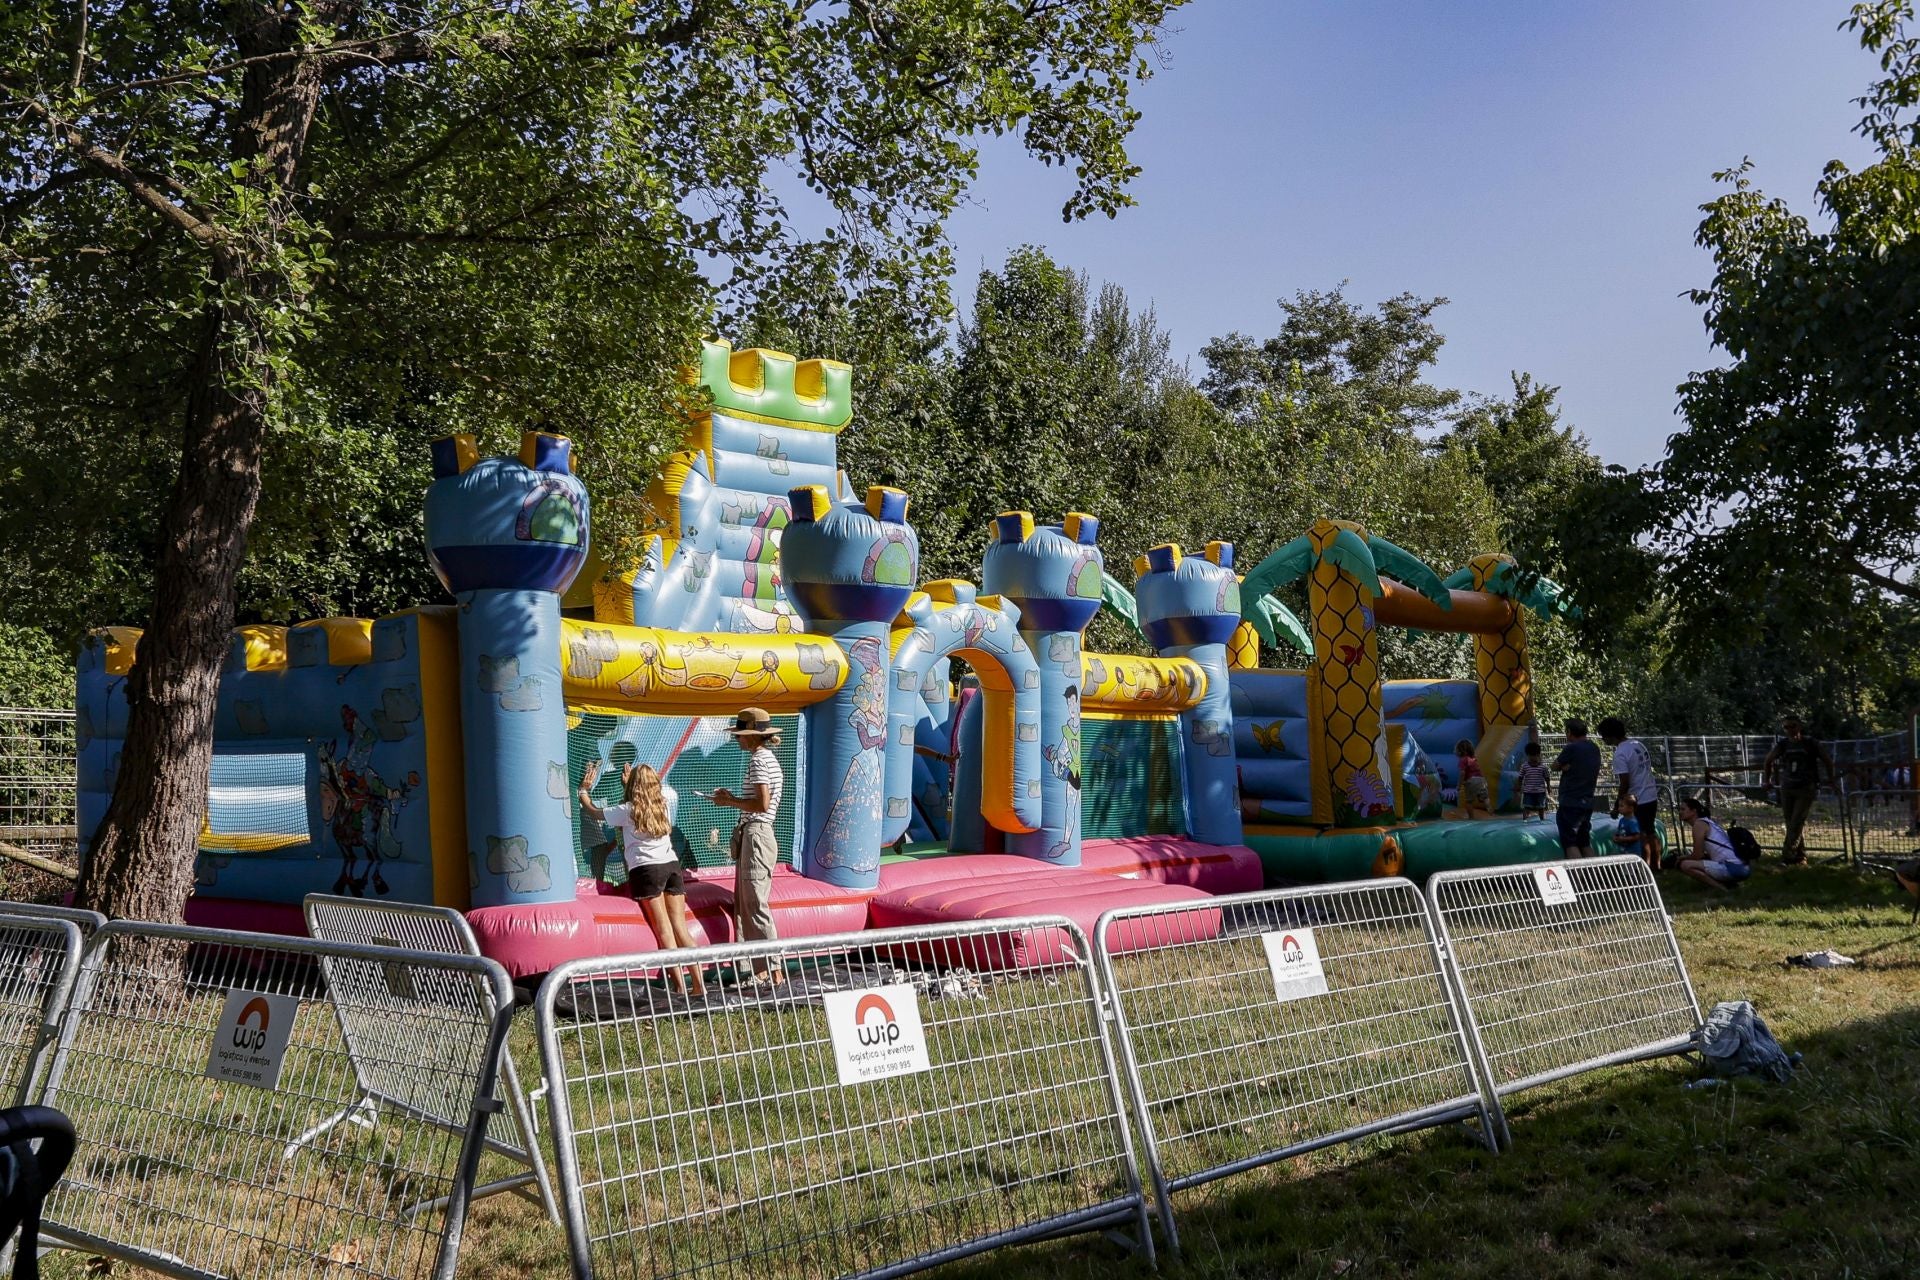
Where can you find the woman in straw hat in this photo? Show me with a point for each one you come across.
(754, 850)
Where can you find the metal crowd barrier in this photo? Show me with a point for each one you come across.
(1263, 1026)
(1757, 808)
(906, 1097)
(88, 922)
(1885, 826)
(1564, 967)
(376, 1040)
(189, 1058)
(39, 958)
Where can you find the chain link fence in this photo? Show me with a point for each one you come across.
(1885, 826)
(38, 845)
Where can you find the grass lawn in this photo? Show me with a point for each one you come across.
(1620, 1171)
(1613, 1172)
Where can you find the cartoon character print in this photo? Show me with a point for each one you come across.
(1366, 794)
(1268, 737)
(762, 545)
(889, 561)
(1063, 760)
(861, 787)
(360, 807)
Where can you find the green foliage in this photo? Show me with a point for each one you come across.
(34, 672)
(1792, 498)
(467, 219)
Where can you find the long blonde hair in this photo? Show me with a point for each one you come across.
(648, 803)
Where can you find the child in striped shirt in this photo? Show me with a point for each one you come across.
(1533, 785)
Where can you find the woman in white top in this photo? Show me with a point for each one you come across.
(1714, 861)
(645, 831)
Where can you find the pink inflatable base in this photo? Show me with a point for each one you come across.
(604, 921)
(529, 940)
(1217, 868)
(1080, 895)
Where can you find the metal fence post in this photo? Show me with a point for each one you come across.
(441, 930)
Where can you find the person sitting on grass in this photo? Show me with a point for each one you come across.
(645, 831)
(1473, 783)
(1534, 778)
(1714, 861)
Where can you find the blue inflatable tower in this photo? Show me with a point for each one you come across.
(506, 536)
(848, 571)
(1189, 607)
(1052, 574)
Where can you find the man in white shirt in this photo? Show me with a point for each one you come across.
(1634, 768)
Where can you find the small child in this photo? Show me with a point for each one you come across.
(1626, 833)
(1473, 783)
(1533, 785)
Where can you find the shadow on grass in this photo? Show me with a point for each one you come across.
(1618, 1171)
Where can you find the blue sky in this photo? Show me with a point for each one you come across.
(1540, 164)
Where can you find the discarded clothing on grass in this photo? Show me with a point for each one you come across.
(1828, 959)
(1736, 1042)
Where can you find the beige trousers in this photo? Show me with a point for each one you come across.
(755, 853)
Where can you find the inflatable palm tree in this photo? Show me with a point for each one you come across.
(1352, 784)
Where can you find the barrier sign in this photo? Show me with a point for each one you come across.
(250, 1042)
(1294, 957)
(1556, 886)
(876, 1033)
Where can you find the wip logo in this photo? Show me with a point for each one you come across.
(873, 1033)
(1552, 877)
(250, 1028)
(1290, 948)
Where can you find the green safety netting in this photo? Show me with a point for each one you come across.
(1130, 778)
(1129, 786)
(701, 828)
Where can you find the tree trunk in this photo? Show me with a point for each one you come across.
(140, 864)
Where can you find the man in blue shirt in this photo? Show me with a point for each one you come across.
(1578, 765)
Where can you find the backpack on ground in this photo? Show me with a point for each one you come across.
(1745, 844)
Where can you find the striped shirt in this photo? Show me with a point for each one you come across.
(763, 767)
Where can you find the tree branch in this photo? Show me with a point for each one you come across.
(79, 52)
(147, 191)
(1859, 569)
(21, 201)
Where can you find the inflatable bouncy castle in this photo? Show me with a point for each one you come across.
(951, 749)
(1333, 759)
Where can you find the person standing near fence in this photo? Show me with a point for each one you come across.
(1578, 765)
(1795, 765)
(754, 849)
(1634, 769)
